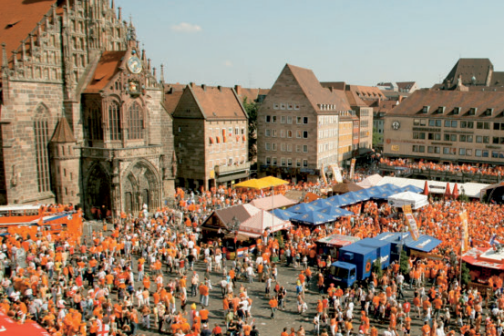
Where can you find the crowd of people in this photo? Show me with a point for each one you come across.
(153, 273)
(483, 169)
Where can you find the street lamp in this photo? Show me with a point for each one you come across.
(233, 226)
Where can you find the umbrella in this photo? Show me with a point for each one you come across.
(426, 189)
(345, 187)
(335, 200)
(412, 188)
(447, 191)
(303, 208)
(455, 193)
(283, 214)
(265, 182)
(335, 212)
(312, 218)
(322, 203)
(349, 198)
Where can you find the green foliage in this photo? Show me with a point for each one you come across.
(404, 262)
(377, 268)
(463, 198)
(280, 239)
(251, 109)
(465, 274)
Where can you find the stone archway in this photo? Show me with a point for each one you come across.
(98, 189)
(141, 185)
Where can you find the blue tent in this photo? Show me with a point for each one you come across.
(412, 188)
(321, 203)
(303, 208)
(335, 200)
(312, 218)
(283, 214)
(391, 187)
(335, 212)
(348, 199)
(374, 191)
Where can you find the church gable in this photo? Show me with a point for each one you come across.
(188, 106)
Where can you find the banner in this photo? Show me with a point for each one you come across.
(411, 222)
(352, 168)
(336, 173)
(322, 173)
(425, 255)
(465, 230)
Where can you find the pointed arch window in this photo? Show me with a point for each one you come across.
(135, 116)
(115, 122)
(41, 130)
(95, 122)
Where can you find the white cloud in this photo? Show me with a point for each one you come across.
(228, 63)
(185, 27)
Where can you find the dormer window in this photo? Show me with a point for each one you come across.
(441, 109)
(488, 112)
(425, 109)
(456, 110)
(473, 110)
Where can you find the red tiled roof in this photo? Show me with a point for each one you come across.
(218, 102)
(173, 92)
(482, 100)
(107, 68)
(316, 93)
(479, 68)
(18, 18)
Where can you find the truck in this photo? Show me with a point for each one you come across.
(355, 261)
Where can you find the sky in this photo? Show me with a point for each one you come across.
(361, 42)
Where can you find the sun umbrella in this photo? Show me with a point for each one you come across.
(303, 208)
(312, 218)
(426, 189)
(412, 188)
(335, 212)
(447, 191)
(271, 181)
(322, 203)
(283, 214)
(455, 193)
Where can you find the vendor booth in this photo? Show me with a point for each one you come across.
(330, 245)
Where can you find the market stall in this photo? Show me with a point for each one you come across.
(330, 245)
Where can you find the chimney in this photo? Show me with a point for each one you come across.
(119, 13)
(219, 88)
(330, 88)
(203, 86)
(192, 85)
(238, 89)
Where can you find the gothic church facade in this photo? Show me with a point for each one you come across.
(82, 116)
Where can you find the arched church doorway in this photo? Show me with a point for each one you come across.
(98, 189)
(141, 186)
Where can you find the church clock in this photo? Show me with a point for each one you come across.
(134, 65)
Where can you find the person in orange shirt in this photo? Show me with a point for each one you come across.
(273, 303)
(426, 329)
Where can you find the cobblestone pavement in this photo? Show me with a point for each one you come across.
(260, 308)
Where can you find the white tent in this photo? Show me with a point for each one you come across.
(370, 181)
(408, 198)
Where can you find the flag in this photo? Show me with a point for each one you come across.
(465, 230)
(103, 328)
(492, 241)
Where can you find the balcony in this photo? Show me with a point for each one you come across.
(232, 169)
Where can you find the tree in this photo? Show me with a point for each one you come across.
(251, 109)
(463, 198)
(377, 269)
(377, 139)
(465, 274)
(404, 262)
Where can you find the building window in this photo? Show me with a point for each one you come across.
(275, 106)
(282, 106)
(418, 149)
(299, 120)
(289, 162)
(298, 162)
(282, 120)
(282, 147)
(267, 133)
(305, 120)
(289, 120)
(135, 115)
(273, 119)
(305, 134)
(283, 162)
(298, 134)
(462, 151)
(41, 130)
(267, 146)
(479, 139)
(434, 122)
(417, 135)
(115, 122)
(305, 163)
(467, 124)
(274, 146)
(289, 147)
(289, 134)
(434, 136)
(305, 148)
(482, 125)
(273, 133)
(434, 149)
(274, 161)
(268, 160)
